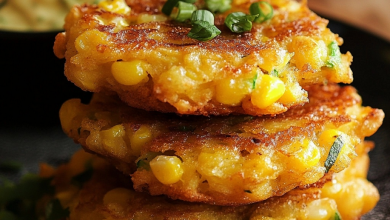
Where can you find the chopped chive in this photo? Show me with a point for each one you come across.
(202, 15)
(334, 55)
(218, 6)
(275, 73)
(203, 31)
(337, 216)
(263, 9)
(184, 11)
(333, 153)
(239, 22)
(142, 164)
(254, 81)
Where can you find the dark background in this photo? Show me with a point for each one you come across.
(33, 87)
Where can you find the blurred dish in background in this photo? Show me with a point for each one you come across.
(371, 15)
(35, 15)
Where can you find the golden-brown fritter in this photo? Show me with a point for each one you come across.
(225, 160)
(108, 195)
(136, 52)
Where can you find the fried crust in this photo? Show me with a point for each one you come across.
(247, 153)
(107, 195)
(184, 74)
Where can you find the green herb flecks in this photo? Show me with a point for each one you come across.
(254, 80)
(274, 72)
(334, 57)
(263, 9)
(333, 153)
(54, 211)
(142, 164)
(337, 216)
(218, 6)
(239, 22)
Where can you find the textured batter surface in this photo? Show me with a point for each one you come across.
(224, 160)
(107, 195)
(106, 50)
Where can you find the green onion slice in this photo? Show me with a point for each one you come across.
(203, 31)
(170, 4)
(218, 5)
(263, 9)
(202, 15)
(334, 55)
(184, 11)
(239, 22)
(333, 153)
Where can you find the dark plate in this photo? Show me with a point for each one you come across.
(33, 87)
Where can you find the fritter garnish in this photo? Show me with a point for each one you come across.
(148, 59)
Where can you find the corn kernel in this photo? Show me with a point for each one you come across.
(308, 51)
(167, 169)
(230, 91)
(139, 138)
(291, 94)
(328, 137)
(306, 154)
(116, 6)
(219, 163)
(268, 90)
(88, 40)
(119, 195)
(129, 73)
(113, 142)
(322, 209)
(144, 18)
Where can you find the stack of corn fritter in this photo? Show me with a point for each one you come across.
(234, 116)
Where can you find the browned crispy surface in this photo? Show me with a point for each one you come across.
(245, 153)
(184, 73)
(108, 195)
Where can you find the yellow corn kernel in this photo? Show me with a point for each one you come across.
(328, 137)
(119, 195)
(290, 95)
(129, 73)
(112, 140)
(321, 209)
(274, 59)
(116, 6)
(267, 91)
(144, 18)
(219, 163)
(231, 91)
(88, 40)
(308, 51)
(305, 155)
(167, 169)
(139, 138)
